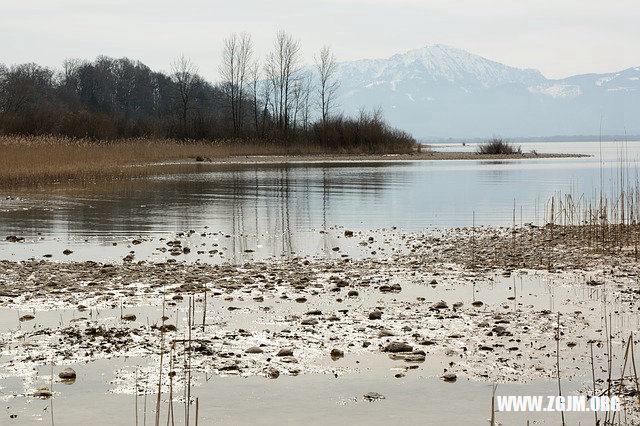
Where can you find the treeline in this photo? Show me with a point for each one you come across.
(275, 99)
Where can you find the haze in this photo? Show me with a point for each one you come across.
(559, 38)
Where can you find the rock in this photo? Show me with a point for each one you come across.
(309, 321)
(42, 392)
(428, 342)
(336, 354)
(385, 333)
(285, 352)
(440, 305)
(289, 360)
(199, 158)
(315, 312)
(395, 347)
(272, 373)
(449, 377)
(352, 293)
(26, 317)
(67, 252)
(375, 315)
(67, 374)
(457, 305)
(301, 299)
(477, 303)
(348, 234)
(254, 350)
(129, 317)
(372, 396)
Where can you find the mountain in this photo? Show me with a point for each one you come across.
(441, 91)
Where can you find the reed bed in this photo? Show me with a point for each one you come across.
(40, 160)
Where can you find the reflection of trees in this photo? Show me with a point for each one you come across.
(255, 204)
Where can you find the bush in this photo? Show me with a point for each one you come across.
(498, 146)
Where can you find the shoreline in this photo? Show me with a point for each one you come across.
(337, 158)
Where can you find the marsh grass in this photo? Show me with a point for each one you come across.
(39, 160)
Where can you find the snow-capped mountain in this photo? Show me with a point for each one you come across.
(447, 92)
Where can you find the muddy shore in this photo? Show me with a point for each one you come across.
(480, 304)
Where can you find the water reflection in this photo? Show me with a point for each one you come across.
(281, 205)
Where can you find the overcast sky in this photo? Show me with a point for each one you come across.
(559, 37)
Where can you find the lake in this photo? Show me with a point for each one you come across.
(278, 209)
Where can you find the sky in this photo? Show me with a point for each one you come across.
(560, 38)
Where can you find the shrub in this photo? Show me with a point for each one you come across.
(498, 146)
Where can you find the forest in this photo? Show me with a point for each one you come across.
(275, 100)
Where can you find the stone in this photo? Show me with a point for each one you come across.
(449, 377)
(129, 317)
(67, 374)
(375, 315)
(336, 354)
(373, 396)
(254, 350)
(27, 317)
(285, 352)
(395, 347)
(272, 373)
(440, 305)
(42, 392)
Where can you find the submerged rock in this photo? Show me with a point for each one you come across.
(449, 377)
(373, 396)
(42, 392)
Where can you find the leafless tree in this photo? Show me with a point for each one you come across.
(185, 75)
(282, 68)
(234, 71)
(328, 85)
(302, 100)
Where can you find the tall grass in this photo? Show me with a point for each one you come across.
(29, 160)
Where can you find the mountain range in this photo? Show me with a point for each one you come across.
(440, 92)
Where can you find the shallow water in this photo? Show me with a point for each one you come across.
(282, 206)
(100, 395)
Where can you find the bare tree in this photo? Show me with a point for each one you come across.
(234, 70)
(327, 68)
(301, 103)
(254, 76)
(282, 69)
(185, 76)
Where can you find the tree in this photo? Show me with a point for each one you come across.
(282, 69)
(185, 77)
(234, 71)
(327, 68)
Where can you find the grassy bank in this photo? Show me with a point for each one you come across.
(28, 161)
